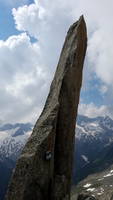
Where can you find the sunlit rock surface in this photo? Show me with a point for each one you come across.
(43, 171)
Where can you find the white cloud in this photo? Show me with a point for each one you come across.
(14, 57)
(48, 22)
(51, 27)
(30, 66)
(101, 53)
(21, 70)
(29, 18)
(92, 110)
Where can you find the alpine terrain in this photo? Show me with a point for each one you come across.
(93, 150)
(12, 139)
(94, 146)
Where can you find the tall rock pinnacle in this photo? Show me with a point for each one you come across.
(44, 169)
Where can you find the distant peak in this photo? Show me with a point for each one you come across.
(107, 117)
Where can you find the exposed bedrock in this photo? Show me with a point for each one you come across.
(44, 169)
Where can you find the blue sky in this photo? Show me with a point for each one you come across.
(31, 38)
(92, 93)
(7, 23)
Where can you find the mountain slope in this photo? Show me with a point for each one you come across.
(93, 146)
(98, 185)
(12, 140)
(6, 168)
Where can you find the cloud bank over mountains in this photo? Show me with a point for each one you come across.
(28, 60)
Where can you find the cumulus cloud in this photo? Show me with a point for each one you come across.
(48, 21)
(20, 69)
(30, 66)
(27, 17)
(92, 110)
(14, 55)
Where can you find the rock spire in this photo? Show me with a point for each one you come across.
(44, 169)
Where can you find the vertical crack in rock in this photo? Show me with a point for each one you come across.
(44, 169)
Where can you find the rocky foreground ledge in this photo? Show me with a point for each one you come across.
(44, 169)
(98, 186)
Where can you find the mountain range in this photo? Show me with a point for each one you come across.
(92, 153)
(12, 140)
(93, 146)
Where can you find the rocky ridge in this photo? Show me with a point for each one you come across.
(98, 186)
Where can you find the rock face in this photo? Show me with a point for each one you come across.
(85, 197)
(43, 171)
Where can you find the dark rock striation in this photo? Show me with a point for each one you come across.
(43, 171)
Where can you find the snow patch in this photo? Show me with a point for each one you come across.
(90, 189)
(107, 175)
(87, 185)
(100, 179)
(99, 193)
(85, 158)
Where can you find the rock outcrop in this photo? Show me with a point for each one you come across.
(43, 171)
(86, 197)
(97, 185)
